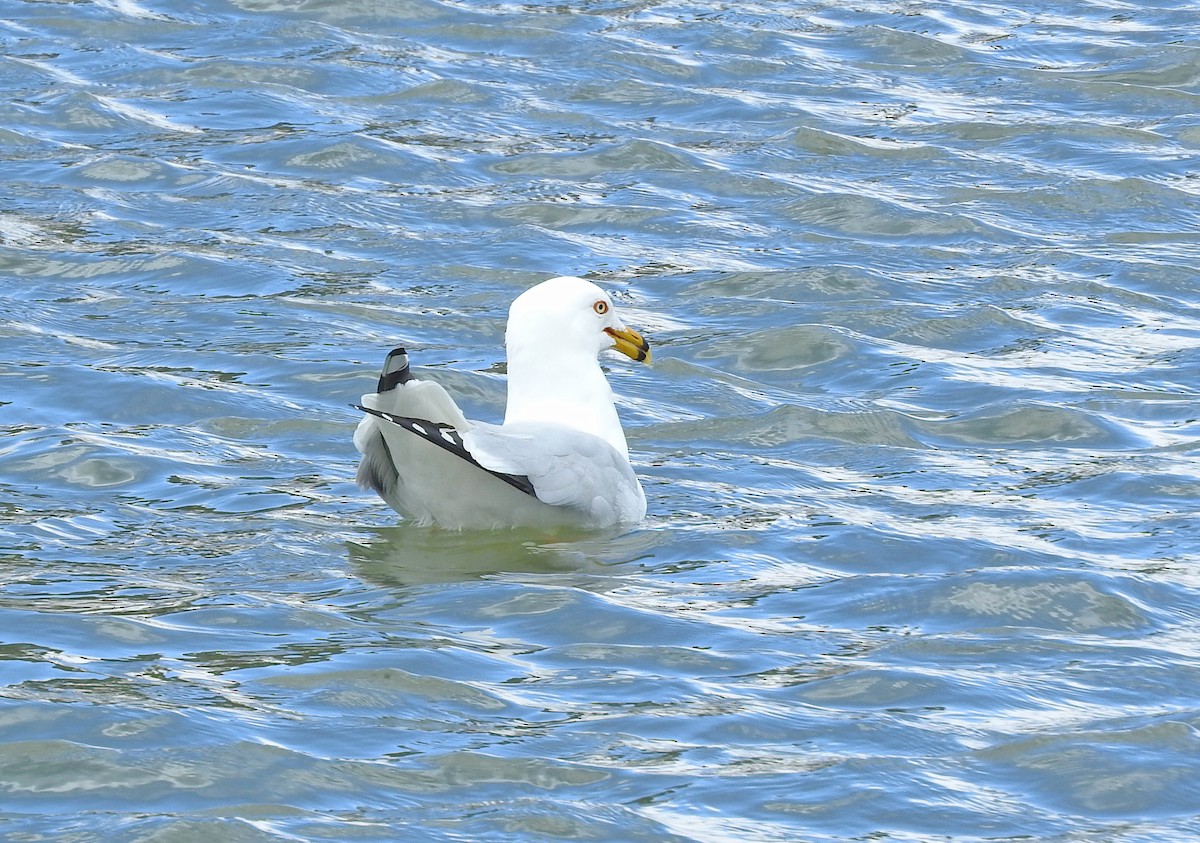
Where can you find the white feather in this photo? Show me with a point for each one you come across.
(560, 431)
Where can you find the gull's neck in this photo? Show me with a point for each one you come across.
(567, 388)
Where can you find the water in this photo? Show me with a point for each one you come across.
(920, 441)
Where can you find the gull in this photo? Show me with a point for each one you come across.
(560, 458)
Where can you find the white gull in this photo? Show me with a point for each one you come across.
(559, 459)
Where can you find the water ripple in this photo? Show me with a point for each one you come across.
(919, 442)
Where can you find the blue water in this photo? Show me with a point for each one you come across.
(920, 441)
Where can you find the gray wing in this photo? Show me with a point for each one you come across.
(566, 467)
(445, 437)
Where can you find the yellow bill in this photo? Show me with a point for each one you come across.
(630, 343)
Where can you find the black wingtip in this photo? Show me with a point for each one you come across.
(395, 371)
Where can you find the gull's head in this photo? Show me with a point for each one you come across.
(567, 314)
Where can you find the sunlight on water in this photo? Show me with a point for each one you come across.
(919, 441)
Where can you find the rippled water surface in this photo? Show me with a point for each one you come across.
(920, 442)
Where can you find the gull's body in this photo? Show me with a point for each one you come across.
(559, 459)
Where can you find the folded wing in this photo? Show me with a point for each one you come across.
(431, 464)
(566, 467)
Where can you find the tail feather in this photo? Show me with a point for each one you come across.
(395, 371)
(377, 470)
(398, 393)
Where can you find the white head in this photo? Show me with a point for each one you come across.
(556, 331)
(567, 314)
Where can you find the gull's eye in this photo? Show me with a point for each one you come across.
(601, 307)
